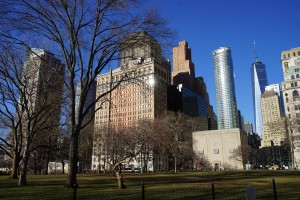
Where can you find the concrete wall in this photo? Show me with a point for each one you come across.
(218, 145)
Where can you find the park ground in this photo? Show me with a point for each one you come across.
(192, 185)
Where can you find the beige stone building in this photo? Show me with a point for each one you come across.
(290, 61)
(219, 145)
(141, 95)
(274, 132)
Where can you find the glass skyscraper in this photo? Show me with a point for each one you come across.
(225, 89)
(259, 82)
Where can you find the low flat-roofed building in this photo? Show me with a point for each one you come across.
(219, 145)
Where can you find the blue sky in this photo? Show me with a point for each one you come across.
(207, 25)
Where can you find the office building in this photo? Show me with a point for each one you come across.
(277, 89)
(86, 134)
(225, 89)
(259, 81)
(274, 131)
(183, 67)
(183, 78)
(90, 99)
(141, 95)
(43, 76)
(43, 81)
(253, 139)
(184, 100)
(200, 89)
(290, 61)
(248, 127)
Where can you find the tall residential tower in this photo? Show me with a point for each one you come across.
(225, 89)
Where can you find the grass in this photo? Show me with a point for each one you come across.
(193, 185)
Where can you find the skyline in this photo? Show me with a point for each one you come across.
(273, 26)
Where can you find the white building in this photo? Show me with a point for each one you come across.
(290, 61)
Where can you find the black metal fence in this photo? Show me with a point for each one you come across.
(212, 191)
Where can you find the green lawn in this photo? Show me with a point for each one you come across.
(194, 185)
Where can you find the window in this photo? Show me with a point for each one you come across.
(286, 66)
(292, 77)
(297, 76)
(295, 95)
(216, 151)
(200, 151)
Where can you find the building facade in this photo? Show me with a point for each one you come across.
(277, 89)
(218, 147)
(200, 89)
(274, 131)
(181, 99)
(141, 95)
(86, 134)
(290, 61)
(183, 67)
(259, 81)
(248, 127)
(194, 96)
(225, 89)
(43, 81)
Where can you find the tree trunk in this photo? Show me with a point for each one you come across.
(34, 165)
(73, 160)
(15, 166)
(23, 175)
(62, 165)
(120, 180)
(26, 155)
(175, 164)
(47, 163)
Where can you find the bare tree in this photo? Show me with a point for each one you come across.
(10, 112)
(243, 154)
(120, 146)
(26, 103)
(88, 35)
(174, 132)
(202, 163)
(288, 128)
(293, 138)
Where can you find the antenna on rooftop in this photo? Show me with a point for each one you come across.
(255, 51)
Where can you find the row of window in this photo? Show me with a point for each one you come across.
(289, 55)
(293, 76)
(215, 151)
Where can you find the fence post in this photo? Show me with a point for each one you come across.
(74, 191)
(213, 191)
(143, 191)
(274, 189)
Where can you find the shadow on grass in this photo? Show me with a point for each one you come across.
(193, 185)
